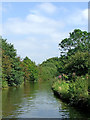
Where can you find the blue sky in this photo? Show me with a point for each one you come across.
(36, 28)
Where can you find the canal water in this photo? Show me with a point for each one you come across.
(35, 100)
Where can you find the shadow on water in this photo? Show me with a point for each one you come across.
(35, 100)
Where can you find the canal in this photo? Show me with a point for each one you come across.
(35, 100)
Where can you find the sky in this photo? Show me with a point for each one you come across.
(36, 28)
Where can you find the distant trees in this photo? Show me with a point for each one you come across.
(31, 71)
(15, 71)
(47, 70)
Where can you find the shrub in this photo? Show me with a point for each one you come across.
(74, 91)
(78, 63)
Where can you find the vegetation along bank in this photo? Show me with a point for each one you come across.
(73, 83)
(14, 70)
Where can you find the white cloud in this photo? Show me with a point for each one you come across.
(85, 14)
(41, 32)
(79, 17)
(33, 23)
(35, 18)
(47, 7)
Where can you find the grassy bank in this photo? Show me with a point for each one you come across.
(75, 92)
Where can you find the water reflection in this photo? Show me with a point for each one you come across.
(35, 100)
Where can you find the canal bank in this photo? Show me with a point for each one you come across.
(82, 104)
(73, 93)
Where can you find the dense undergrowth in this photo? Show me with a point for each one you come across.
(74, 92)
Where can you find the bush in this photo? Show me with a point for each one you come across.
(78, 63)
(78, 89)
(73, 91)
(61, 87)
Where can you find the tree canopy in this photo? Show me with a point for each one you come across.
(78, 40)
(14, 70)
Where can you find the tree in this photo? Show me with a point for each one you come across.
(78, 40)
(16, 76)
(48, 69)
(31, 70)
(77, 63)
(12, 74)
(8, 49)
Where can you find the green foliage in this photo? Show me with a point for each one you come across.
(58, 62)
(61, 87)
(77, 63)
(73, 91)
(12, 74)
(47, 70)
(78, 40)
(4, 83)
(15, 71)
(79, 88)
(75, 57)
(8, 49)
(62, 61)
(32, 70)
(16, 75)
